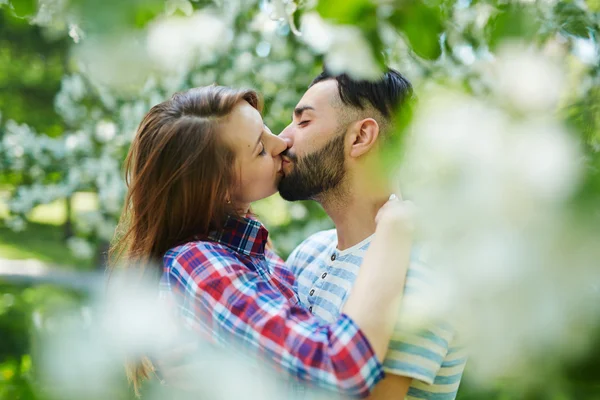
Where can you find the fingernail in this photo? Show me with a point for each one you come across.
(393, 197)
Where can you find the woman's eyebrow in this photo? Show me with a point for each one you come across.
(258, 140)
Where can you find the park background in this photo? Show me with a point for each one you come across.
(77, 76)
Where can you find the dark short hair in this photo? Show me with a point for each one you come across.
(385, 94)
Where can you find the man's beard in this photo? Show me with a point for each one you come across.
(315, 173)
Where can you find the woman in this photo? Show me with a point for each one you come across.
(197, 162)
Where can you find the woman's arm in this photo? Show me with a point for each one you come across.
(374, 300)
(233, 302)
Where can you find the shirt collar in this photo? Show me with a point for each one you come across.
(244, 234)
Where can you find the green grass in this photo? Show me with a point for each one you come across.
(43, 242)
(43, 238)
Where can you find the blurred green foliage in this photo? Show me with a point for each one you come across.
(31, 68)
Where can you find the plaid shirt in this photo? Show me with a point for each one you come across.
(231, 288)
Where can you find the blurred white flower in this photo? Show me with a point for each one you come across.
(243, 62)
(204, 78)
(586, 50)
(278, 72)
(84, 356)
(465, 53)
(171, 7)
(345, 48)
(176, 43)
(38, 321)
(492, 192)
(317, 33)
(297, 211)
(16, 224)
(244, 41)
(264, 24)
(80, 248)
(282, 10)
(105, 131)
(73, 86)
(53, 15)
(78, 141)
(75, 32)
(263, 49)
(115, 62)
(36, 172)
(547, 159)
(527, 79)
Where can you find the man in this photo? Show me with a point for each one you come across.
(335, 143)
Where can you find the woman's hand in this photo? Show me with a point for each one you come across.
(396, 217)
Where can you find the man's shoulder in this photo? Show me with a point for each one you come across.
(313, 247)
(317, 242)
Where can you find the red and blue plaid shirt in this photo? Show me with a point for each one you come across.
(232, 288)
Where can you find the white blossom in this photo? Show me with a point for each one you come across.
(491, 191)
(80, 248)
(16, 224)
(185, 6)
(105, 131)
(175, 43)
(342, 45)
(586, 50)
(526, 79)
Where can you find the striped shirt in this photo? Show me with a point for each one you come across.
(233, 290)
(432, 356)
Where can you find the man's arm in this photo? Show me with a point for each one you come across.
(392, 387)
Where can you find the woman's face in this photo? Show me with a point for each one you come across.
(257, 152)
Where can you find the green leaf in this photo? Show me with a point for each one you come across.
(593, 5)
(572, 19)
(348, 12)
(24, 8)
(512, 22)
(422, 26)
(115, 15)
(359, 13)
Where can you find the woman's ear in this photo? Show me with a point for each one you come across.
(365, 137)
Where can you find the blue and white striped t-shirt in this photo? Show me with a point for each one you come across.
(431, 356)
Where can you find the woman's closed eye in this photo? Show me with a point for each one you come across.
(303, 123)
(262, 149)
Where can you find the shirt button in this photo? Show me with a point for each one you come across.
(324, 275)
(310, 308)
(333, 257)
(312, 292)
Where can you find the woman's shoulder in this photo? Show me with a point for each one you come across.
(200, 253)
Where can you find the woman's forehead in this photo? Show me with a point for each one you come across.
(243, 125)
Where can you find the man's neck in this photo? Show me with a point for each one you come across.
(354, 214)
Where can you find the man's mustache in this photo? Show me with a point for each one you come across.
(289, 155)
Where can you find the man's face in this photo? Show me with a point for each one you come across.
(314, 163)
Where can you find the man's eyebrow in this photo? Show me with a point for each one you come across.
(299, 110)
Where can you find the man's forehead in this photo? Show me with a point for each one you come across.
(320, 95)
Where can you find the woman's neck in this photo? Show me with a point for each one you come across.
(242, 210)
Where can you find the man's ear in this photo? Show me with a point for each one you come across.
(365, 137)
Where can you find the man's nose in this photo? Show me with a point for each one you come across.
(286, 135)
(280, 145)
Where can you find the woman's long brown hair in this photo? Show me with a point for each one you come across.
(178, 174)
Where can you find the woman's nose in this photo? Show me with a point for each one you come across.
(279, 145)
